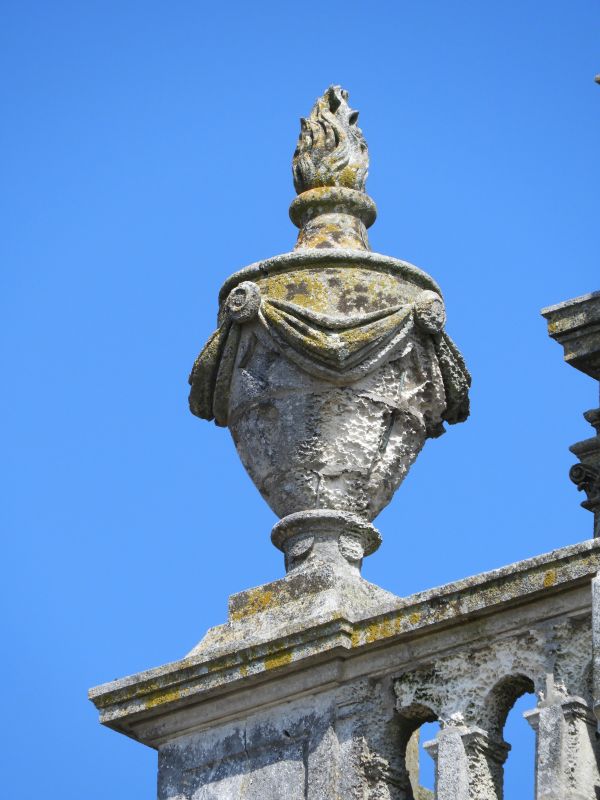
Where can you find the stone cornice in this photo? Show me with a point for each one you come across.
(148, 696)
(575, 324)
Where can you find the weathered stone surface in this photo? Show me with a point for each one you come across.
(330, 365)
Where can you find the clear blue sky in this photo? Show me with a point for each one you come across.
(146, 151)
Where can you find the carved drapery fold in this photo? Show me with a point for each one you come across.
(336, 348)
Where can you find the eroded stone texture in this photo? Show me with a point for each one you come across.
(308, 444)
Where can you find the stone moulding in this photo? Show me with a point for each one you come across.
(140, 705)
(575, 324)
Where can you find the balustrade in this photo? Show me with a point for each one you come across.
(469, 751)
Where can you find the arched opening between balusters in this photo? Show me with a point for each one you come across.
(427, 732)
(506, 727)
(418, 724)
(519, 769)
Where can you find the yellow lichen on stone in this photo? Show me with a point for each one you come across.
(257, 600)
(334, 290)
(278, 660)
(549, 578)
(163, 697)
(223, 663)
(348, 176)
(382, 629)
(305, 289)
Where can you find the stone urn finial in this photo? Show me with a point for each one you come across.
(330, 364)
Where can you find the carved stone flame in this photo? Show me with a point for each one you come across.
(331, 149)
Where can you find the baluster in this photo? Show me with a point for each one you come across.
(566, 763)
(468, 764)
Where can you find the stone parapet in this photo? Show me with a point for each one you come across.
(352, 689)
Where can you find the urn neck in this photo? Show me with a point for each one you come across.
(333, 217)
(324, 535)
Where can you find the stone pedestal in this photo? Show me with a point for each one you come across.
(595, 667)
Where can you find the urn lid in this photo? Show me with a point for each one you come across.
(332, 210)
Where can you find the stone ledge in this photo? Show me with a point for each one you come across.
(575, 324)
(192, 680)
